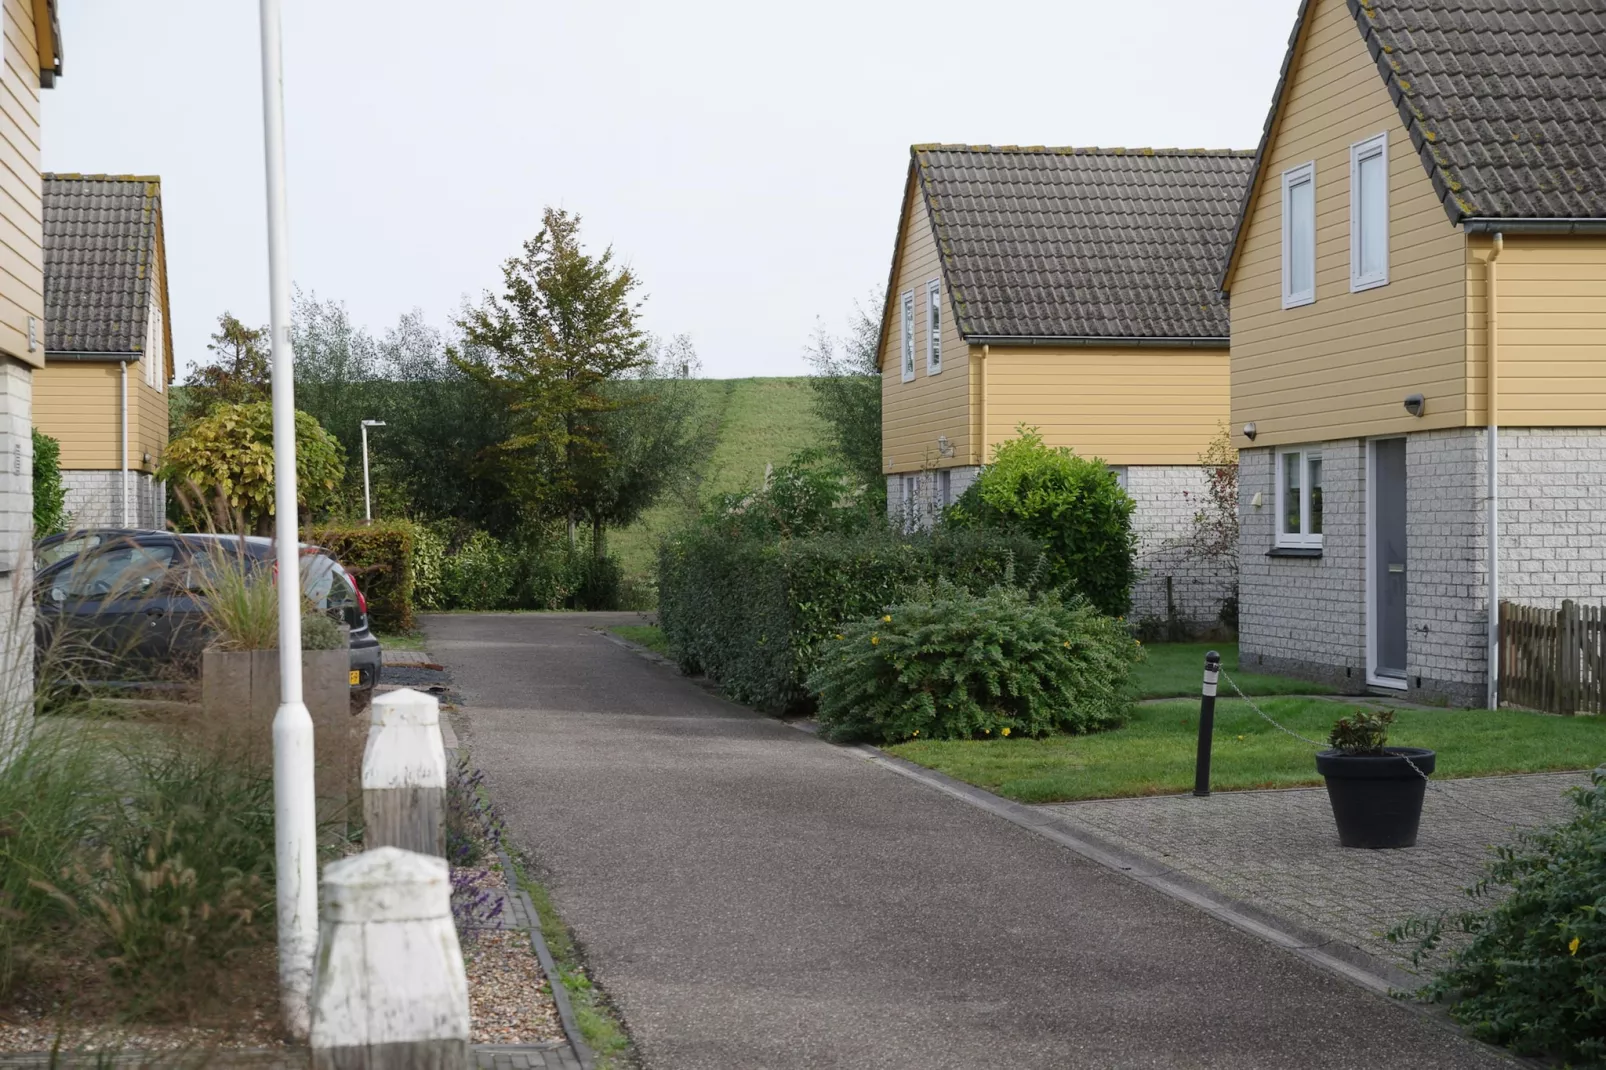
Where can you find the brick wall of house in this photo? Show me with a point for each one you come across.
(95, 499)
(1446, 577)
(925, 506)
(1166, 498)
(1297, 615)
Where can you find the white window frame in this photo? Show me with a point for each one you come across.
(907, 346)
(1303, 539)
(1358, 152)
(934, 327)
(1305, 172)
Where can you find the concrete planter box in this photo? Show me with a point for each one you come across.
(240, 695)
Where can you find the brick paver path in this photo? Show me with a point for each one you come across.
(1278, 850)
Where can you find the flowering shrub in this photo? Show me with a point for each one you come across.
(949, 664)
(1533, 976)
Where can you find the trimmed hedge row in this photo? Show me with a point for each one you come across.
(755, 615)
(380, 558)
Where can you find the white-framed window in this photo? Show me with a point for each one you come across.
(1119, 472)
(908, 336)
(933, 327)
(1369, 213)
(1299, 235)
(1299, 497)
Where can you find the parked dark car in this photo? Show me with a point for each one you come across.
(136, 597)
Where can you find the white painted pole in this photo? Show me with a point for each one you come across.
(294, 797)
(1492, 341)
(367, 500)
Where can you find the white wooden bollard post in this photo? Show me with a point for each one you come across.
(404, 775)
(389, 991)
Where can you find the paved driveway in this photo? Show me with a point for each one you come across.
(753, 898)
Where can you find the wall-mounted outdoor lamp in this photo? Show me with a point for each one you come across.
(1415, 404)
(1249, 431)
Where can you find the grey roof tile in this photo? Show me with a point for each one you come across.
(1083, 243)
(101, 249)
(1506, 99)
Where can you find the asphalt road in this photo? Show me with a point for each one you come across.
(752, 897)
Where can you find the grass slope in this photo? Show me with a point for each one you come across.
(756, 422)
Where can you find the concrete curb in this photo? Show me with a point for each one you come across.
(560, 991)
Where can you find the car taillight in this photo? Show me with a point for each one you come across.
(362, 603)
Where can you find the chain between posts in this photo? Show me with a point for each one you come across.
(1210, 681)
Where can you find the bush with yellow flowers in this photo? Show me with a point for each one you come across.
(950, 664)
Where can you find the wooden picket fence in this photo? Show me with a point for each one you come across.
(1553, 659)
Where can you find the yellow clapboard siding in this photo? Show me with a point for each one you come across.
(917, 413)
(21, 231)
(1124, 405)
(78, 405)
(1552, 294)
(1341, 366)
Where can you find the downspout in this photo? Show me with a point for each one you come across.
(981, 406)
(123, 364)
(1492, 337)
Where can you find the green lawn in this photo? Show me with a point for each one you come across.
(648, 635)
(1177, 669)
(413, 640)
(1154, 753)
(755, 422)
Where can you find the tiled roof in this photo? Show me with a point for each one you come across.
(1083, 243)
(102, 246)
(1505, 99)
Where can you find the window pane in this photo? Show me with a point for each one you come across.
(908, 335)
(1315, 482)
(1301, 237)
(1373, 211)
(1290, 518)
(934, 328)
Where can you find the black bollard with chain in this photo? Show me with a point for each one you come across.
(1207, 724)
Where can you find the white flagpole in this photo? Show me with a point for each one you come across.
(294, 798)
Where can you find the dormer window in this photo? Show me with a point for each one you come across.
(1299, 235)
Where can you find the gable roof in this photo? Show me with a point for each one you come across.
(103, 245)
(1505, 101)
(1082, 244)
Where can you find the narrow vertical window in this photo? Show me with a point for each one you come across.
(1369, 213)
(1299, 235)
(945, 487)
(908, 337)
(933, 327)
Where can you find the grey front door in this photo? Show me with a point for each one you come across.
(1388, 556)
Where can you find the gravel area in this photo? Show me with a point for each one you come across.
(20, 1032)
(509, 1000)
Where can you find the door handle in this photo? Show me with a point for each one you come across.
(1393, 567)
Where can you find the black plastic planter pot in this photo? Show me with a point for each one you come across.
(1377, 798)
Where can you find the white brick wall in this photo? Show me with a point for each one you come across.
(16, 540)
(1166, 498)
(927, 504)
(95, 499)
(1308, 616)
(1304, 616)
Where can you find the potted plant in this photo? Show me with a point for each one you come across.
(1376, 790)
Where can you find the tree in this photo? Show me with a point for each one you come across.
(651, 440)
(238, 373)
(847, 396)
(49, 492)
(226, 460)
(1213, 533)
(563, 332)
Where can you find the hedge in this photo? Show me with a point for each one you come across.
(380, 558)
(754, 615)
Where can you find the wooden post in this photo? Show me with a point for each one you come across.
(404, 775)
(389, 989)
(1567, 626)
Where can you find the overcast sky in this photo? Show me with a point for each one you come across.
(746, 159)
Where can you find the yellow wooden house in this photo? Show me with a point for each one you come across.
(108, 345)
(1418, 292)
(1073, 290)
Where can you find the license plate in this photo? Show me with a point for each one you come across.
(356, 677)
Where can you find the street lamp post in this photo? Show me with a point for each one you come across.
(367, 502)
(294, 799)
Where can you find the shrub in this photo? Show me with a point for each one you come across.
(753, 615)
(226, 459)
(480, 575)
(49, 492)
(1533, 976)
(429, 562)
(1363, 732)
(241, 607)
(809, 495)
(949, 664)
(1073, 507)
(601, 583)
(381, 558)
